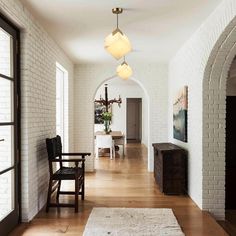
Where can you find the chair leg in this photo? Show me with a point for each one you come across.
(111, 151)
(96, 152)
(82, 189)
(49, 194)
(58, 190)
(114, 151)
(123, 150)
(76, 194)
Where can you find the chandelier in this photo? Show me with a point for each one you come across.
(124, 71)
(107, 102)
(117, 43)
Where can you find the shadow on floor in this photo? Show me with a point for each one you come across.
(229, 224)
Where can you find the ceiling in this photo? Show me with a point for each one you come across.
(156, 28)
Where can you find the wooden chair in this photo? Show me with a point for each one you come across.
(76, 173)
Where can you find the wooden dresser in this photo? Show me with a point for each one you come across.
(170, 168)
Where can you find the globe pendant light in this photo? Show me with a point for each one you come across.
(117, 43)
(124, 71)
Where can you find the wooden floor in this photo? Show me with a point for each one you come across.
(123, 182)
(230, 222)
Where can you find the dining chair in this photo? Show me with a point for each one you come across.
(105, 141)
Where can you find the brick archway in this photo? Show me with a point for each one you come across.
(143, 88)
(214, 114)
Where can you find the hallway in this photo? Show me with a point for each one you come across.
(120, 183)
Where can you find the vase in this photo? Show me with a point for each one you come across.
(107, 126)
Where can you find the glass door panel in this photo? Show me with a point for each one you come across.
(6, 147)
(9, 141)
(6, 100)
(5, 52)
(6, 193)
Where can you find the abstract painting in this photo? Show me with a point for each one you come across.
(180, 110)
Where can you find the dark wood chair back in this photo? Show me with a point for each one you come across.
(55, 155)
(54, 149)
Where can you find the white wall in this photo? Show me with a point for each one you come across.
(126, 89)
(145, 125)
(153, 80)
(178, 79)
(198, 64)
(39, 54)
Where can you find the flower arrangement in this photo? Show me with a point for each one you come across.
(106, 116)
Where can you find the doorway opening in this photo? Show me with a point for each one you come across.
(9, 127)
(126, 89)
(230, 148)
(134, 120)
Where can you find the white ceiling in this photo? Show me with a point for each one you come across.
(156, 28)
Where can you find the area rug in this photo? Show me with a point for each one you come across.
(132, 221)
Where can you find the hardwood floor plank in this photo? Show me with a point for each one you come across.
(122, 182)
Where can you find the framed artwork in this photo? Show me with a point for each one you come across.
(98, 110)
(180, 110)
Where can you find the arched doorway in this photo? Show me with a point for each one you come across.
(214, 120)
(126, 89)
(230, 150)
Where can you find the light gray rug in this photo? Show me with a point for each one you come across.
(132, 221)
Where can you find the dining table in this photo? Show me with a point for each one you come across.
(117, 136)
(114, 134)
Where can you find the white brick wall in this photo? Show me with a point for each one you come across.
(202, 64)
(39, 54)
(151, 77)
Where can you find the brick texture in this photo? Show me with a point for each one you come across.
(39, 54)
(153, 80)
(203, 64)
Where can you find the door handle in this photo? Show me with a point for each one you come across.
(1, 140)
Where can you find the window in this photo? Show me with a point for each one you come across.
(9, 127)
(62, 105)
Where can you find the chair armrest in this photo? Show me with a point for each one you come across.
(76, 154)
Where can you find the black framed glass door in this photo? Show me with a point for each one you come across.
(9, 127)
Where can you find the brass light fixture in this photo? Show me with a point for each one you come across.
(117, 43)
(124, 71)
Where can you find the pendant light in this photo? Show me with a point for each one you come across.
(117, 43)
(124, 71)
